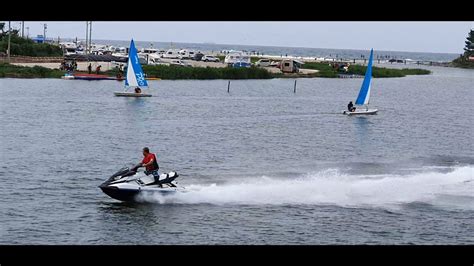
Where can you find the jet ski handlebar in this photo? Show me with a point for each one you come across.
(135, 168)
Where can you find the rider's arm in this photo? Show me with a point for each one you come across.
(146, 164)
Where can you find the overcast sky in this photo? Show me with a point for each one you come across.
(438, 37)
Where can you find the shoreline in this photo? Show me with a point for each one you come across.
(206, 70)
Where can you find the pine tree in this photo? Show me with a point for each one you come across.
(469, 49)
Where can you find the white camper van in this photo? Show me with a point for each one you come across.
(172, 54)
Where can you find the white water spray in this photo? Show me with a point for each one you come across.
(330, 187)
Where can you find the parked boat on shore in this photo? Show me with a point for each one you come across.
(85, 76)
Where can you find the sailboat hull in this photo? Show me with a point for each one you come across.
(362, 112)
(131, 94)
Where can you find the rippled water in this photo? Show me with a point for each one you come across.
(262, 165)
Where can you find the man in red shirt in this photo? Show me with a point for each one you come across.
(150, 163)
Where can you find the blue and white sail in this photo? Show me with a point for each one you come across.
(364, 93)
(135, 76)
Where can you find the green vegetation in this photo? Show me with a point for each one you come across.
(13, 71)
(180, 72)
(469, 47)
(26, 47)
(254, 59)
(326, 70)
(463, 60)
(381, 72)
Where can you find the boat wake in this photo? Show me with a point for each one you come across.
(454, 189)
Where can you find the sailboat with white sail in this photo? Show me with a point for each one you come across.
(135, 76)
(364, 93)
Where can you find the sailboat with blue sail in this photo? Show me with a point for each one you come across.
(364, 93)
(135, 76)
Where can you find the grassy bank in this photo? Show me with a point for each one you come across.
(13, 71)
(325, 70)
(178, 72)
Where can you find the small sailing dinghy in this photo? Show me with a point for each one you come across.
(135, 76)
(364, 93)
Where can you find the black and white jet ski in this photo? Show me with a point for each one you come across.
(127, 184)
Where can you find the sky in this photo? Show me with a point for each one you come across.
(436, 37)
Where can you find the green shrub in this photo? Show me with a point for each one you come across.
(13, 71)
(180, 72)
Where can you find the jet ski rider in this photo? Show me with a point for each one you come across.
(150, 163)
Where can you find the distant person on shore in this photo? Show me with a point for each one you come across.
(351, 107)
(120, 70)
(89, 68)
(97, 70)
(138, 90)
(119, 73)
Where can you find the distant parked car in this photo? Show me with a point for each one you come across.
(180, 63)
(263, 63)
(198, 56)
(210, 58)
(157, 61)
(275, 64)
(240, 64)
(395, 61)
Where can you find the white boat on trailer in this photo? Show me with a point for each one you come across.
(364, 93)
(135, 76)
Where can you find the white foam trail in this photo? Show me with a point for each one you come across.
(331, 187)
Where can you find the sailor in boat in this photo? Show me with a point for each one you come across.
(150, 164)
(351, 107)
(138, 90)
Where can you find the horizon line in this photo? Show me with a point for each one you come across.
(213, 43)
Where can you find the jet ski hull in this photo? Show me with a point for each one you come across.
(120, 194)
(126, 185)
(125, 194)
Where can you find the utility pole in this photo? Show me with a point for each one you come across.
(27, 32)
(9, 37)
(87, 32)
(45, 26)
(22, 29)
(90, 36)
